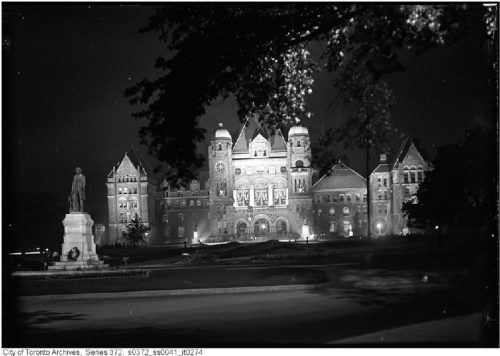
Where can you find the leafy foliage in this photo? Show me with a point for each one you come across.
(260, 54)
(136, 231)
(462, 189)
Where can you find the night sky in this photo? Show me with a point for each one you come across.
(65, 69)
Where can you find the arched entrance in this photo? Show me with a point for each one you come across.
(281, 229)
(242, 231)
(261, 228)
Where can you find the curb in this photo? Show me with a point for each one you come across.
(165, 293)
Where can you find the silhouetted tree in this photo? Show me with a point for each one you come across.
(259, 54)
(136, 231)
(462, 188)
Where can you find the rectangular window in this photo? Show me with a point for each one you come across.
(364, 197)
(379, 196)
(318, 198)
(407, 177)
(348, 198)
(385, 194)
(420, 176)
(385, 182)
(379, 181)
(358, 198)
(413, 177)
(327, 198)
(334, 198)
(191, 202)
(341, 197)
(183, 203)
(198, 202)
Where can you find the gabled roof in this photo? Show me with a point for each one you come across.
(251, 129)
(136, 159)
(340, 176)
(405, 148)
(382, 168)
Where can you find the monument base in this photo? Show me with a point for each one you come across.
(78, 265)
(78, 249)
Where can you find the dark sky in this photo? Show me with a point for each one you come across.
(66, 68)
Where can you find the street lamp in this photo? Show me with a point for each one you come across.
(379, 226)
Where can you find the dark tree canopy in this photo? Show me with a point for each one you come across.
(260, 55)
(462, 188)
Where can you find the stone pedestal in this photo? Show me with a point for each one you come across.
(78, 233)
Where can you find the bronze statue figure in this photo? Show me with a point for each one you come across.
(77, 191)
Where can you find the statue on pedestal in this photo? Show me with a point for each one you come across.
(77, 191)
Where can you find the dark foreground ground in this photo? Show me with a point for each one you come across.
(354, 290)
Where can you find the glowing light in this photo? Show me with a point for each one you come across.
(436, 227)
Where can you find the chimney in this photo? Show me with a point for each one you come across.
(383, 158)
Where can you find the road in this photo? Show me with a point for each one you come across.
(363, 304)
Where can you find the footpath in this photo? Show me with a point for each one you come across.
(463, 330)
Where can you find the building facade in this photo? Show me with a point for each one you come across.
(260, 183)
(259, 186)
(131, 187)
(339, 200)
(393, 184)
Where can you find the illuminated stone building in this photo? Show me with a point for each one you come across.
(259, 186)
(259, 183)
(394, 183)
(340, 203)
(131, 187)
(184, 211)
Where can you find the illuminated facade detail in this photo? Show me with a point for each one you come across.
(252, 195)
